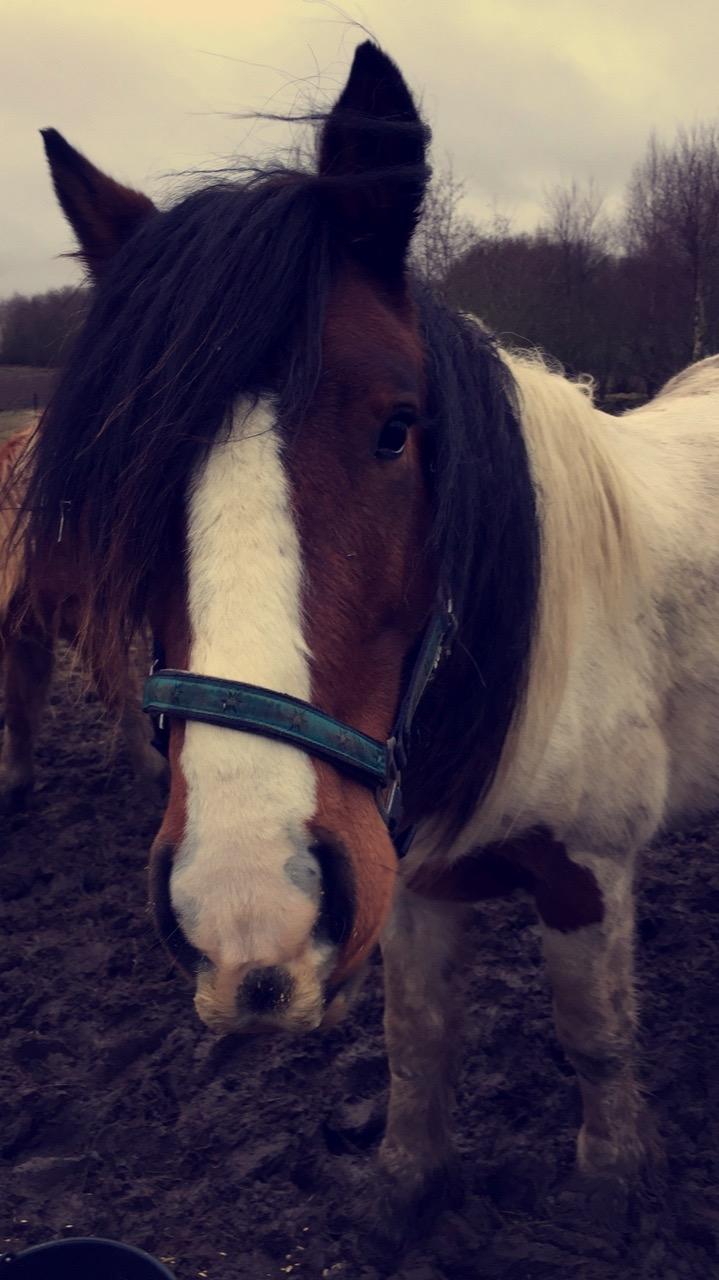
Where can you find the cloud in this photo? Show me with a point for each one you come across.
(522, 94)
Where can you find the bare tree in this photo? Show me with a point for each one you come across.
(36, 330)
(672, 213)
(577, 236)
(444, 234)
(575, 221)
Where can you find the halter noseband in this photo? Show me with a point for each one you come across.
(234, 705)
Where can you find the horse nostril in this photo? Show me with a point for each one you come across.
(168, 926)
(266, 990)
(337, 906)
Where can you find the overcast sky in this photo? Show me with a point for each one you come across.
(522, 93)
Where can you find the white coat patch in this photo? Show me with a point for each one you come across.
(248, 798)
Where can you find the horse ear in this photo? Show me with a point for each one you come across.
(375, 141)
(102, 213)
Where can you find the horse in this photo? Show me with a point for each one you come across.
(384, 559)
(27, 640)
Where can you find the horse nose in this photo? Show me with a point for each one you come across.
(265, 991)
(266, 987)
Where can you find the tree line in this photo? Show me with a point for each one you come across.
(37, 330)
(629, 299)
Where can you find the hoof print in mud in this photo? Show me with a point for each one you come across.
(14, 798)
(354, 1127)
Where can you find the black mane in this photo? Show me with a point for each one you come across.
(223, 295)
(486, 539)
(204, 302)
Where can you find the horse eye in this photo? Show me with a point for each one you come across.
(392, 438)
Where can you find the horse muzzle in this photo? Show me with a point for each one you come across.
(289, 997)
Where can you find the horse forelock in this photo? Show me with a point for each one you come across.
(189, 316)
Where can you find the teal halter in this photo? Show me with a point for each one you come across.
(234, 705)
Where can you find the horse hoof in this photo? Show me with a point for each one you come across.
(630, 1156)
(402, 1207)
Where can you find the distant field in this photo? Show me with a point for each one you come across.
(24, 387)
(12, 420)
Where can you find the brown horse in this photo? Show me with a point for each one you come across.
(294, 460)
(27, 638)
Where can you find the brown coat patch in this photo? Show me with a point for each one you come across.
(567, 894)
(367, 589)
(13, 454)
(171, 630)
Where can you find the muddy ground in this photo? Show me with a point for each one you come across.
(236, 1161)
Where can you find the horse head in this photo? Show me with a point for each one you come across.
(293, 550)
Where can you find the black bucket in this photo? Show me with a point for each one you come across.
(84, 1258)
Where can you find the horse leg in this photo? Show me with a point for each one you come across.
(591, 972)
(134, 726)
(28, 659)
(420, 948)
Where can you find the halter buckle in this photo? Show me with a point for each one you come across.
(160, 739)
(389, 797)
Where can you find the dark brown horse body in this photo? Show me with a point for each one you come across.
(30, 624)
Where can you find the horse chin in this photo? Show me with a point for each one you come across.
(222, 1024)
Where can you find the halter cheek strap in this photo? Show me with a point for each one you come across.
(232, 704)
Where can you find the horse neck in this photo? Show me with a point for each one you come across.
(591, 549)
(586, 507)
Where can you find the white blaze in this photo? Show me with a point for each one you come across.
(248, 798)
